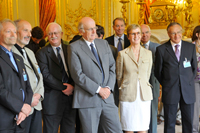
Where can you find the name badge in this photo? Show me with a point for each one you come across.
(24, 75)
(38, 69)
(186, 63)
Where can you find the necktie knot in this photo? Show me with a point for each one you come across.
(120, 39)
(58, 50)
(177, 45)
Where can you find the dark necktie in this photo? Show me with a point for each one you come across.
(177, 52)
(64, 74)
(119, 46)
(97, 58)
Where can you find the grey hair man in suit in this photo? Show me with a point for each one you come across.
(58, 84)
(146, 34)
(93, 70)
(15, 90)
(34, 121)
(175, 69)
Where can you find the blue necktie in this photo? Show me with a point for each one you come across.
(119, 46)
(12, 60)
(97, 58)
(64, 74)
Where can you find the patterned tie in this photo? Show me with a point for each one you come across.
(64, 74)
(177, 52)
(145, 46)
(97, 58)
(119, 46)
(24, 54)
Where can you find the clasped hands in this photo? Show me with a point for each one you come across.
(25, 111)
(69, 90)
(104, 93)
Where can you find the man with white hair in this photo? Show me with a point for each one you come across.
(58, 84)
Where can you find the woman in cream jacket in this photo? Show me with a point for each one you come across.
(133, 68)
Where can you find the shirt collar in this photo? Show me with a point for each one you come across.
(88, 43)
(146, 43)
(174, 44)
(4, 49)
(117, 37)
(56, 47)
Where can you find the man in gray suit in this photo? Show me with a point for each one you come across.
(34, 120)
(146, 34)
(93, 70)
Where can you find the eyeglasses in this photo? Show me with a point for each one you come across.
(147, 32)
(178, 33)
(51, 33)
(91, 29)
(135, 33)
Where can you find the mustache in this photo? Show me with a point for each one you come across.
(27, 37)
(54, 38)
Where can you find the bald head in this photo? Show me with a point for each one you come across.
(146, 33)
(87, 28)
(23, 32)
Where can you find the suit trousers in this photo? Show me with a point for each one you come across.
(34, 122)
(17, 129)
(187, 112)
(196, 108)
(154, 112)
(65, 119)
(106, 113)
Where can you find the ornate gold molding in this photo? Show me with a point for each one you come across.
(73, 18)
(188, 18)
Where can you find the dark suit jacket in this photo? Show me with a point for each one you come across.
(54, 99)
(11, 85)
(112, 42)
(176, 80)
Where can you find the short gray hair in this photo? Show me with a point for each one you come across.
(60, 28)
(172, 24)
(80, 26)
(6, 21)
(133, 27)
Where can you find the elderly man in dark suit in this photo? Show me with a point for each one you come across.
(58, 84)
(119, 39)
(175, 69)
(146, 34)
(15, 90)
(93, 68)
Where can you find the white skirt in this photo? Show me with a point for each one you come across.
(135, 116)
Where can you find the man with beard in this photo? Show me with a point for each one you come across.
(34, 121)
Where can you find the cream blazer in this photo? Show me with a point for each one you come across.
(129, 71)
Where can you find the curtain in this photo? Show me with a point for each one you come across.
(147, 10)
(47, 11)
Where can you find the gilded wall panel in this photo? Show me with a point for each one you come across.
(6, 9)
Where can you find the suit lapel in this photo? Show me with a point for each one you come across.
(170, 50)
(130, 53)
(142, 54)
(86, 49)
(52, 54)
(64, 47)
(6, 58)
(101, 53)
(112, 40)
(183, 48)
(18, 53)
(20, 71)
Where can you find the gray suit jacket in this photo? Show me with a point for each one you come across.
(153, 80)
(36, 87)
(87, 75)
